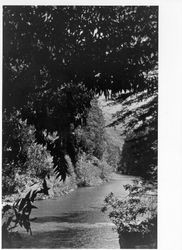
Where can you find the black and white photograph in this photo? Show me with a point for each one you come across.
(80, 126)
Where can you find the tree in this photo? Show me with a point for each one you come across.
(91, 138)
(139, 119)
(22, 155)
(56, 57)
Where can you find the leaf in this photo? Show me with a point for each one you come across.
(22, 204)
(28, 195)
(26, 224)
(45, 188)
(61, 166)
(34, 194)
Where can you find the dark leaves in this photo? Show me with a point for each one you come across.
(48, 48)
(60, 166)
(45, 188)
(19, 213)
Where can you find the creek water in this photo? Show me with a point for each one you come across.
(76, 220)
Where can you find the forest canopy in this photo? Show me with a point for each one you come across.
(103, 47)
(56, 58)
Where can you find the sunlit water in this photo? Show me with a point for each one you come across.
(75, 221)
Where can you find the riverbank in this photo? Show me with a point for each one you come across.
(57, 190)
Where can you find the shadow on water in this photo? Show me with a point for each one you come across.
(75, 217)
(68, 238)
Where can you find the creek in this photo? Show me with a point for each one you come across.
(76, 220)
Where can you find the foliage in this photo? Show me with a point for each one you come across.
(8, 179)
(59, 112)
(56, 57)
(91, 171)
(38, 161)
(13, 155)
(106, 170)
(12, 144)
(87, 174)
(112, 154)
(92, 146)
(61, 43)
(31, 158)
(18, 214)
(58, 188)
(137, 213)
(91, 137)
(139, 117)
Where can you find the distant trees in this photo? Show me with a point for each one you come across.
(55, 58)
(93, 163)
(91, 137)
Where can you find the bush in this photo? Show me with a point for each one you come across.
(91, 171)
(135, 217)
(87, 172)
(39, 161)
(106, 170)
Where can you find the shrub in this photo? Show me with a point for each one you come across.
(87, 171)
(8, 178)
(91, 171)
(18, 213)
(106, 170)
(39, 161)
(135, 217)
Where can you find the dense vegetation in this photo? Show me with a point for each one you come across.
(34, 162)
(139, 119)
(55, 60)
(93, 163)
(135, 217)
